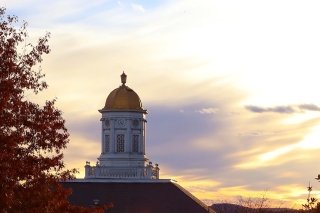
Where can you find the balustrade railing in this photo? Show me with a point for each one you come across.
(148, 172)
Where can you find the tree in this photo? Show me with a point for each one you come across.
(32, 137)
(312, 205)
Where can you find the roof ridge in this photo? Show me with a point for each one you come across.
(194, 198)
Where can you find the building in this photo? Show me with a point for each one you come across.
(123, 154)
(123, 175)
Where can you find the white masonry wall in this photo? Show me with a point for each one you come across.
(127, 124)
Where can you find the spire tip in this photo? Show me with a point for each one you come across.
(123, 78)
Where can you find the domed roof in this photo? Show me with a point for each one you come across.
(123, 98)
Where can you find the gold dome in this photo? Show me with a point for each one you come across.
(123, 98)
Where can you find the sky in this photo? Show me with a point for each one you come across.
(231, 87)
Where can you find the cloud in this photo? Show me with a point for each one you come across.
(277, 109)
(177, 56)
(201, 148)
(311, 107)
(88, 128)
(289, 143)
(284, 109)
(210, 110)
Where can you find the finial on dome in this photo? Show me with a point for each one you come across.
(123, 78)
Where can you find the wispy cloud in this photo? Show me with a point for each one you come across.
(311, 107)
(277, 109)
(209, 110)
(284, 109)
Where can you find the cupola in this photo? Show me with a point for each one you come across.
(123, 98)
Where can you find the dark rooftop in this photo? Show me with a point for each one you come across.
(137, 197)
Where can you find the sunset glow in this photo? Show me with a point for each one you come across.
(231, 87)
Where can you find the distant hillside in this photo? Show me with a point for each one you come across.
(233, 208)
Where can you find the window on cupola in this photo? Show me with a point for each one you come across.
(135, 143)
(120, 143)
(107, 143)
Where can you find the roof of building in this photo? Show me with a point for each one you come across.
(136, 197)
(123, 98)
